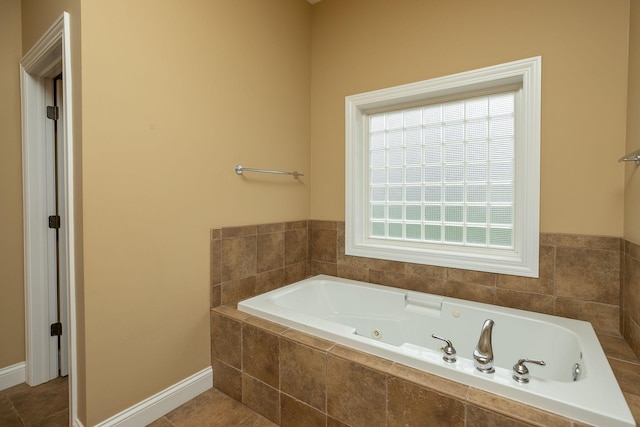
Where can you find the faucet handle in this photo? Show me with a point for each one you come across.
(449, 352)
(521, 372)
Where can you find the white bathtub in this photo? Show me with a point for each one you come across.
(397, 324)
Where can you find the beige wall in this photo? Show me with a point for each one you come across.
(362, 45)
(632, 172)
(12, 349)
(175, 94)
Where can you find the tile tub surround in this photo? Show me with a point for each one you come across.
(250, 260)
(580, 276)
(292, 379)
(630, 295)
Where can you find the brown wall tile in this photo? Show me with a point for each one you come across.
(356, 395)
(239, 258)
(232, 313)
(226, 336)
(634, 404)
(588, 242)
(471, 277)
(262, 398)
(632, 334)
(617, 348)
(269, 280)
(271, 228)
(425, 284)
(266, 325)
(385, 265)
(296, 272)
(426, 271)
(510, 407)
(631, 288)
(326, 225)
(261, 355)
(215, 271)
(525, 301)
(237, 290)
(479, 417)
(340, 251)
(323, 245)
(215, 296)
(270, 253)
(227, 379)
(544, 284)
(246, 230)
(477, 293)
(547, 239)
(632, 249)
(303, 372)
(294, 413)
(362, 358)
(604, 318)
(588, 274)
(293, 225)
(296, 245)
(308, 340)
(386, 277)
(411, 405)
(430, 381)
(328, 268)
(627, 374)
(353, 273)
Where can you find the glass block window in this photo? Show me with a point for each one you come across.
(444, 172)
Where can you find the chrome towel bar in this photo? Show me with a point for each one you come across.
(241, 169)
(634, 156)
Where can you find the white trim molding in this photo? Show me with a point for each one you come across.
(50, 56)
(159, 404)
(12, 375)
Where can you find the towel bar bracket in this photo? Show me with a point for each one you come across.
(634, 156)
(241, 169)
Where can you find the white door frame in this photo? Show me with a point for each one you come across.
(50, 55)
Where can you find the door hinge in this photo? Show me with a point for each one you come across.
(53, 112)
(56, 329)
(54, 221)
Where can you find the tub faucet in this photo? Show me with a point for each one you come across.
(483, 354)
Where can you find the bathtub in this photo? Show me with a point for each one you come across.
(396, 324)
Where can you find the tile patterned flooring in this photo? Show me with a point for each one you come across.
(212, 408)
(40, 406)
(46, 405)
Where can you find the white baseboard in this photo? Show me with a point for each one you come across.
(12, 375)
(156, 406)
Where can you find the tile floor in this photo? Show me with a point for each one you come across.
(212, 408)
(40, 406)
(46, 405)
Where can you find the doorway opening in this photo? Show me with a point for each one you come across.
(47, 153)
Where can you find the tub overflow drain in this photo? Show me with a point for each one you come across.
(376, 334)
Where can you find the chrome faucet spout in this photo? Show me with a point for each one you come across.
(483, 353)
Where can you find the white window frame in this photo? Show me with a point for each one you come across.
(522, 259)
